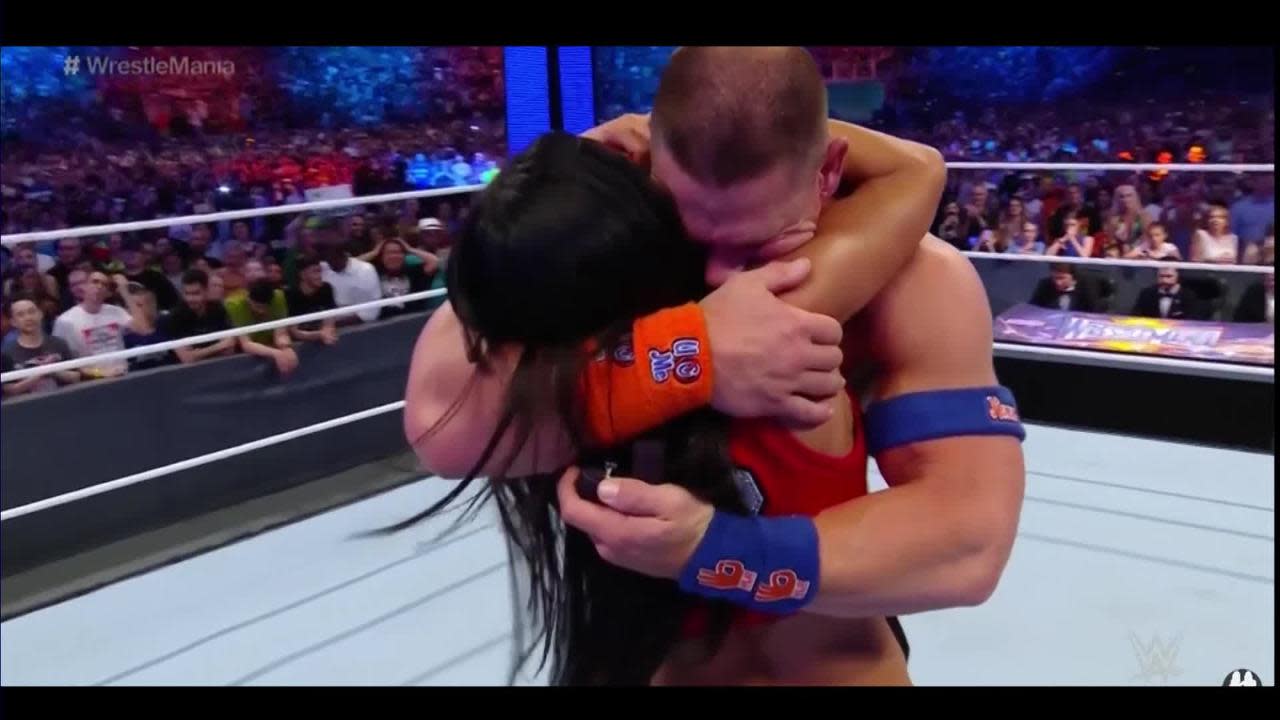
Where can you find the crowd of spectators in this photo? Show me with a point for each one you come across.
(285, 128)
(287, 121)
(97, 296)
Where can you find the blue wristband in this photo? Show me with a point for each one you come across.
(768, 564)
(933, 414)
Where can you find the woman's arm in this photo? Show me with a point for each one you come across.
(863, 240)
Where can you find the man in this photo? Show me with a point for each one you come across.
(1075, 205)
(739, 139)
(311, 295)
(1253, 213)
(93, 327)
(264, 303)
(136, 270)
(354, 281)
(70, 252)
(1258, 302)
(32, 348)
(197, 316)
(1168, 299)
(1062, 291)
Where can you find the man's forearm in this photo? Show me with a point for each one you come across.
(871, 566)
(252, 347)
(306, 335)
(864, 239)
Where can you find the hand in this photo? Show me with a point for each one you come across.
(628, 134)
(329, 335)
(649, 529)
(286, 360)
(771, 359)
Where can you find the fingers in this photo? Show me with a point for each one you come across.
(591, 518)
(639, 498)
(822, 329)
(820, 385)
(779, 277)
(803, 414)
(822, 358)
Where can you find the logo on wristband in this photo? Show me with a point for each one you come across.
(665, 363)
(1000, 411)
(727, 575)
(688, 371)
(686, 347)
(782, 585)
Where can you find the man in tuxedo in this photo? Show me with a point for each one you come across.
(1062, 290)
(1258, 303)
(1168, 299)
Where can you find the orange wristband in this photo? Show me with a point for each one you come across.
(662, 373)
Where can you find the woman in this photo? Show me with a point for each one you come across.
(1216, 243)
(397, 277)
(1075, 242)
(562, 250)
(1027, 241)
(1013, 218)
(1127, 221)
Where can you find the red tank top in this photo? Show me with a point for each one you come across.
(777, 474)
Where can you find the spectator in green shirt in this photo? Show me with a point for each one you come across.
(264, 303)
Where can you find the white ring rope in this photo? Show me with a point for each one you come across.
(108, 229)
(89, 360)
(1191, 367)
(197, 461)
(1121, 262)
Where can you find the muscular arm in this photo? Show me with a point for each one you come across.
(878, 557)
(861, 240)
(864, 239)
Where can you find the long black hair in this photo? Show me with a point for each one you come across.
(568, 244)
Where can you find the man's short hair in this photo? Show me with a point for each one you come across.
(324, 223)
(196, 276)
(17, 298)
(1067, 268)
(729, 114)
(262, 291)
(307, 261)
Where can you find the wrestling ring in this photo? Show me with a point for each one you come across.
(1138, 561)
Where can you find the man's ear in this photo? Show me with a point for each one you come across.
(832, 169)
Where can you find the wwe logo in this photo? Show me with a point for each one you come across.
(1156, 658)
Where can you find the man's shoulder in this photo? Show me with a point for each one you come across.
(937, 271)
(72, 314)
(934, 316)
